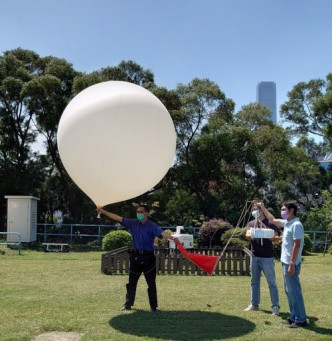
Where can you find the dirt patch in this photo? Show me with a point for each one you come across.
(58, 336)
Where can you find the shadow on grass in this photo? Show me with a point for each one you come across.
(181, 325)
(311, 326)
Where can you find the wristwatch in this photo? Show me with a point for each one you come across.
(291, 262)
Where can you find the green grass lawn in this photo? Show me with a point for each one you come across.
(66, 292)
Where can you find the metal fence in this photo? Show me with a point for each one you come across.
(84, 233)
(80, 233)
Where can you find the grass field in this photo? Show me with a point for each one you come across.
(66, 292)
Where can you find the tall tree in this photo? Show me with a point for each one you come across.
(323, 108)
(308, 108)
(21, 171)
(199, 99)
(127, 71)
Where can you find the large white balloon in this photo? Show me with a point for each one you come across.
(116, 141)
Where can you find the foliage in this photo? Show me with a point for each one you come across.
(308, 109)
(299, 109)
(307, 247)
(235, 237)
(182, 208)
(319, 218)
(116, 239)
(223, 158)
(209, 235)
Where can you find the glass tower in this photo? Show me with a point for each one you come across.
(266, 94)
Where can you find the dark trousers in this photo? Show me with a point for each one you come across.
(139, 264)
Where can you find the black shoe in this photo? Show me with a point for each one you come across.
(155, 310)
(299, 324)
(288, 321)
(125, 307)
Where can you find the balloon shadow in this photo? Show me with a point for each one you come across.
(181, 325)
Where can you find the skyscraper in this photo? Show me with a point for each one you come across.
(266, 94)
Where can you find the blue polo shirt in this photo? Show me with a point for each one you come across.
(143, 234)
(293, 230)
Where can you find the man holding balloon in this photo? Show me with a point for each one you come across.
(142, 257)
(115, 114)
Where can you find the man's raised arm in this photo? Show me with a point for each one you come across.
(109, 214)
(269, 215)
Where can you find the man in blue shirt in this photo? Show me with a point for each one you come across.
(142, 257)
(291, 256)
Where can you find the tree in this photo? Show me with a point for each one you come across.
(323, 108)
(309, 109)
(21, 170)
(127, 71)
(199, 99)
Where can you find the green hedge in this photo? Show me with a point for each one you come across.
(116, 239)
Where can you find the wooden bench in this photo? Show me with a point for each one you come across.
(56, 247)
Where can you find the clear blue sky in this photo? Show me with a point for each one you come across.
(235, 43)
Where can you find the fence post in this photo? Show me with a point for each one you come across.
(45, 234)
(71, 233)
(314, 241)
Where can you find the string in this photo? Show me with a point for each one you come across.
(244, 212)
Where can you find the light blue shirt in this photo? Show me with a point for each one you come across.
(293, 230)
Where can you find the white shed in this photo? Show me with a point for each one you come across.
(22, 217)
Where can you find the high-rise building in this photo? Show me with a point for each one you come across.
(266, 94)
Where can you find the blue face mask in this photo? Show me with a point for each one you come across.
(256, 213)
(140, 216)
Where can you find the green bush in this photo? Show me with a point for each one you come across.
(116, 239)
(209, 235)
(330, 250)
(237, 237)
(307, 247)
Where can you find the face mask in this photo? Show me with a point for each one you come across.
(255, 213)
(284, 214)
(140, 216)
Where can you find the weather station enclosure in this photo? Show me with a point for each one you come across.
(21, 218)
(187, 240)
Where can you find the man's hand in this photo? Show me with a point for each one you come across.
(291, 269)
(167, 235)
(260, 205)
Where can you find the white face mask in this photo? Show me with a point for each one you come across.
(255, 213)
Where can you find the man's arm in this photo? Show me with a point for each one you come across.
(269, 215)
(295, 252)
(248, 233)
(276, 237)
(109, 214)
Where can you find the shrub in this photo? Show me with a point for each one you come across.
(307, 247)
(209, 235)
(330, 250)
(236, 237)
(116, 239)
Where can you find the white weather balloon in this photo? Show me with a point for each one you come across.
(116, 141)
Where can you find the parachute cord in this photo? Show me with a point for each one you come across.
(245, 211)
